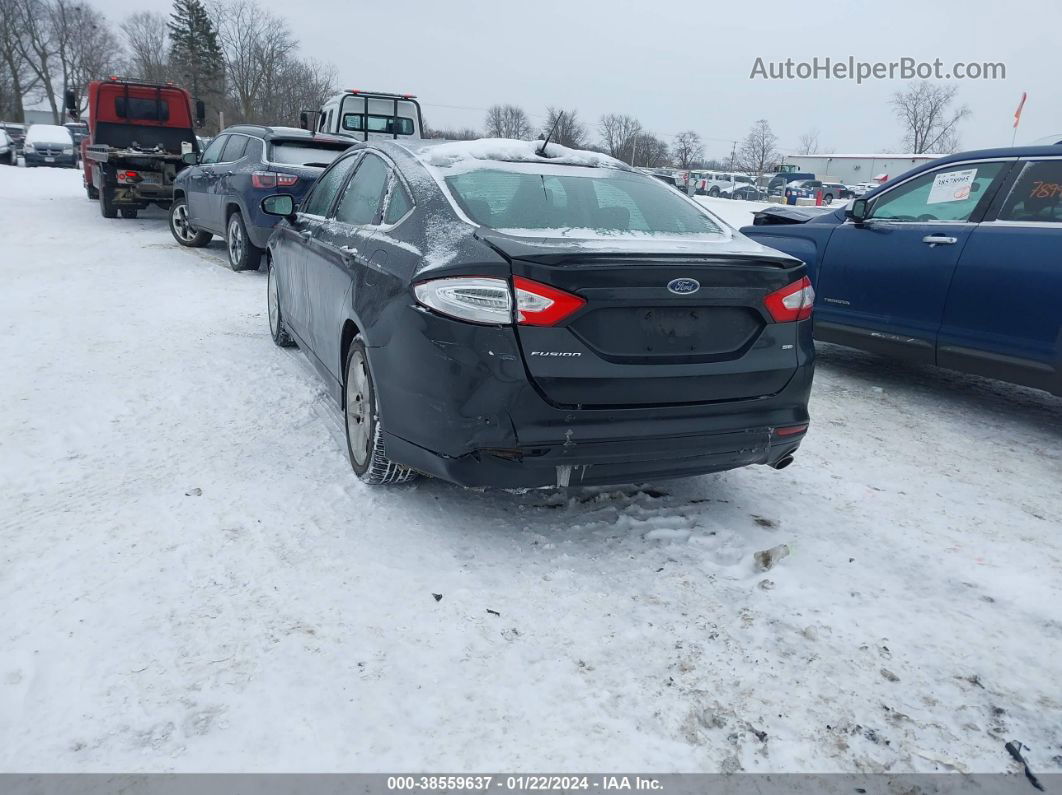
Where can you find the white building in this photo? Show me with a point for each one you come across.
(851, 169)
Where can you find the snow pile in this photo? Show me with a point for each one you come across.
(193, 580)
(513, 151)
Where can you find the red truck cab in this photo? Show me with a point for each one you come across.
(137, 133)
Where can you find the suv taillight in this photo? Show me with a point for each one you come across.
(793, 302)
(480, 299)
(269, 179)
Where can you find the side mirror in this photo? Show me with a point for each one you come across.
(279, 204)
(858, 211)
(71, 105)
(304, 120)
(190, 158)
(200, 112)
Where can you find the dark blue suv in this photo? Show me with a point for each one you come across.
(956, 263)
(222, 190)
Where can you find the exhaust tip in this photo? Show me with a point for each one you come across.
(783, 462)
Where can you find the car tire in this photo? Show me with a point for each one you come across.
(361, 422)
(243, 254)
(93, 192)
(828, 198)
(183, 232)
(277, 331)
(107, 208)
(714, 193)
(129, 212)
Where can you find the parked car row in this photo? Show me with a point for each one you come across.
(39, 145)
(570, 320)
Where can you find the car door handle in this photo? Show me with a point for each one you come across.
(940, 240)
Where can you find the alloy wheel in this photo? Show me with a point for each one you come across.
(273, 302)
(181, 224)
(235, 241)
(357, 407)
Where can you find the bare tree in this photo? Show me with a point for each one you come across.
(570, 131)
(147, 39)
(649, 151)
(508, 121)
(687, 149)
(619, 133)
(255, 45)
(809, 143)
(758, 151)
(36, 45)
(18, 78)
(85, 48)
(451, 134)
(298, 84)
(925, 112)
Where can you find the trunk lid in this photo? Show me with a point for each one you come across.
(640, 342)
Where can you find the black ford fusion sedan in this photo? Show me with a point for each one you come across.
(519, 314)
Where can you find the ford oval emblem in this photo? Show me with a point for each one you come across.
(683, 286)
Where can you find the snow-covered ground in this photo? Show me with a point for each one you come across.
(192, 579)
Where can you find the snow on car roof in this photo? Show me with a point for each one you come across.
(48, 133)
(448, 154)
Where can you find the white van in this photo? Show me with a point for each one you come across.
(365, 115)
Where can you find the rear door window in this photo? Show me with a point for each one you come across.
(1037, 194)
(234, 149)
(213, 152)
(399, 204)
(947, 194)
(361, 201)
(327, 187)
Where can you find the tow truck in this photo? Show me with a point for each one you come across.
(137, 135)
(362, 115)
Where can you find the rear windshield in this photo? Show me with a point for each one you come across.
(564, 201)
(306, 153)
(137, 109)
(355, 122)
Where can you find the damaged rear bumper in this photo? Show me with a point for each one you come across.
(600, 462)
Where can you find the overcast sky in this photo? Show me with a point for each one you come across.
(683, 64)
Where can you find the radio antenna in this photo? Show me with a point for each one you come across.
(542, 149)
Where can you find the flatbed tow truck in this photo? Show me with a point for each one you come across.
(138, 133)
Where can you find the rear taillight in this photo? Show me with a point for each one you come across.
(541, 305)
(793, 302)
(128, 177)
(269, 179)
(479, 299)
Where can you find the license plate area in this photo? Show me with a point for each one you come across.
(669, 334)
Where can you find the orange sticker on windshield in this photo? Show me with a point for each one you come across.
(1045, 190)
